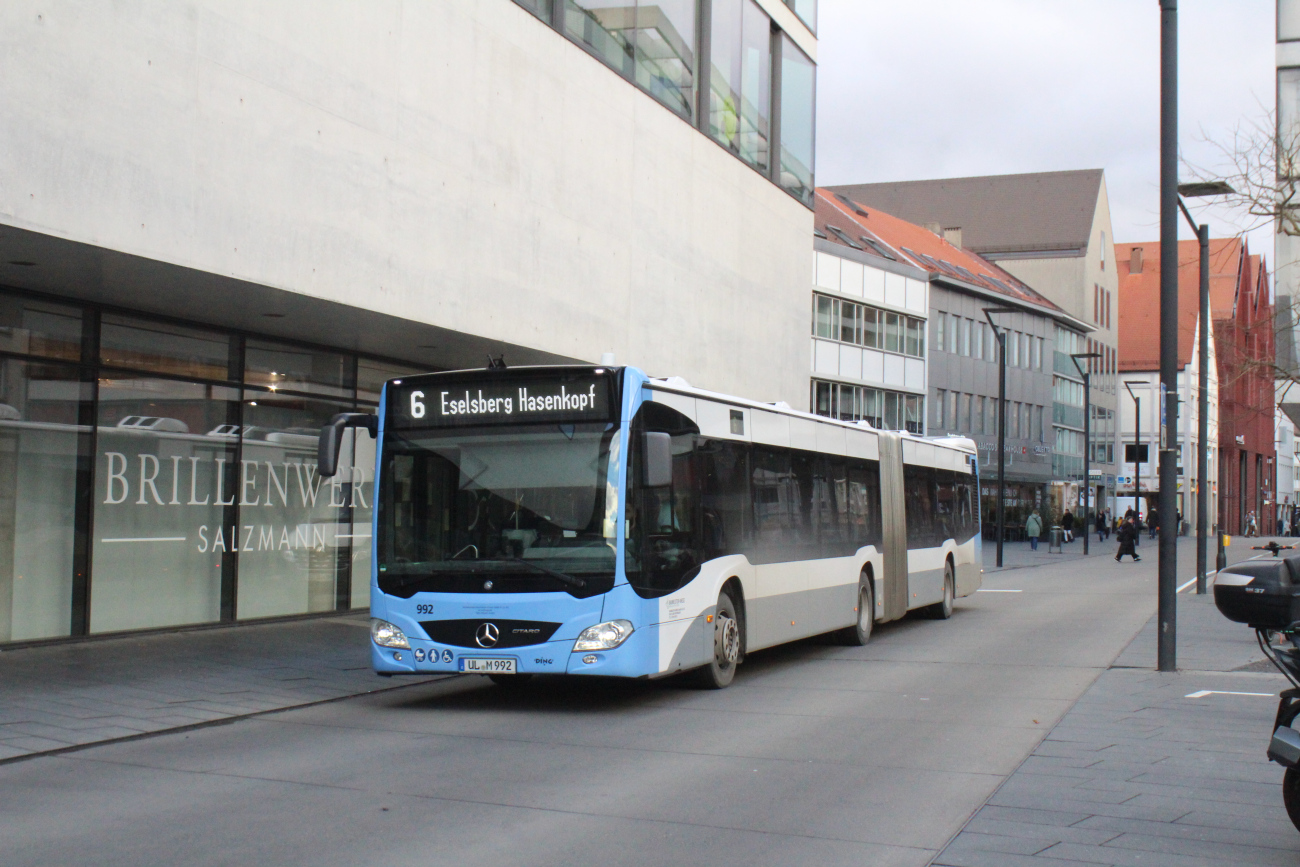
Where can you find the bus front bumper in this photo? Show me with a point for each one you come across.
(638, 656)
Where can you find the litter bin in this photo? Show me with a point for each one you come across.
(1054, 539)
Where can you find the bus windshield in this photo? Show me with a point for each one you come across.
(497, 510)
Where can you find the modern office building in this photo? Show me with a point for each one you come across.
(960, 353)
(1052, 230)
(1139, 268)
(222, 223)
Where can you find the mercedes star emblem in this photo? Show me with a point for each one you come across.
(487, 635)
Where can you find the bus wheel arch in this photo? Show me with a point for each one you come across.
(942, 609)
(726, 631)
(859, 633)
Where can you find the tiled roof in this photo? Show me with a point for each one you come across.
(1138, 305)
(998, 214)
(883, 235)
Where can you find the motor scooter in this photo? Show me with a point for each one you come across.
(1266, 596)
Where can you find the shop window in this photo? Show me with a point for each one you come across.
(32, 327)
(798, 121)
(166, 480)
(371, 376)
(39, 436)
(302, 538)
(740, 81)
(283, 367)
(159, 347)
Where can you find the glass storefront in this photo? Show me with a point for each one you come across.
(157, 475)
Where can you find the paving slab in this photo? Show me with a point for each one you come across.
(53, 697)
(1140, 772)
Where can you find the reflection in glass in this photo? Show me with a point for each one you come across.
(540, 8)
(296, 551)
(39, 328)
(38, 464)
(665, 52)
(806, 10)
(603, 26)
(165, 475)
(278, 366)
(371, 376)
(740, 80)
(798, 93)
(162, 348)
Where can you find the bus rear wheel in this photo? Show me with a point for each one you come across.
(859, 633)
(721, 669)
(942, 610)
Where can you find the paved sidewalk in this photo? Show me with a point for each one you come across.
(1018, 555)
(61, 696)
(1141, 772)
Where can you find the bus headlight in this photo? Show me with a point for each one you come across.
(386, 634)
(603, 636)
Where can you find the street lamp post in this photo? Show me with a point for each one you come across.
(1002, 420)
(1137, 443)
(1087, 437)
(1206, 188)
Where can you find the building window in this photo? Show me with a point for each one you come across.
(940, 402)
(806, 10)
(540, 8)
(741, 81)
(603, 27)
(963, 414)
(940, 319)
(954, 333)
(965, 337)
(860, 325)
(886, 410)
(798, 121)
(665, 52)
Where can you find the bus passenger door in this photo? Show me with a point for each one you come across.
(894, 515)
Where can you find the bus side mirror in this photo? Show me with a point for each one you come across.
(658, 460)
(331, 438)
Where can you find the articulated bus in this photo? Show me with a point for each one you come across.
(595, 521)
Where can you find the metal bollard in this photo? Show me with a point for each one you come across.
(1221, 559)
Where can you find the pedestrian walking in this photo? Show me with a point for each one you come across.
(1252, 528)
(1067, 525)
(1153, 523)
(1101, 526)
(1033, 529)
(1127, 536)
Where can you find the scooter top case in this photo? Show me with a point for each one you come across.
(1264, 594)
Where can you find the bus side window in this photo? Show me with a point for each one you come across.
(945, 511)
(918, 482)
(724, 496)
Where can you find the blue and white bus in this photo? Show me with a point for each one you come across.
(595, 521)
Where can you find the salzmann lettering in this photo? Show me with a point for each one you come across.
(479, 405)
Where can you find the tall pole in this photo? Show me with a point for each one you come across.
(1166, 647)
(1086, 373)
(1002, 438)
(1002, 419)
(1087, 458)
(1137, 455)
(1203, 408)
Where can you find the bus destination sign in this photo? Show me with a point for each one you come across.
(501, 400)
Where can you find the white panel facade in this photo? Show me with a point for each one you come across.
(450, 162)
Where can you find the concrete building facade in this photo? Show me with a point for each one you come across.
(221, 222)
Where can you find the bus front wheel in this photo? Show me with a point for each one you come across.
(726, 646)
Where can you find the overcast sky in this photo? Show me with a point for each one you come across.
(941, 88)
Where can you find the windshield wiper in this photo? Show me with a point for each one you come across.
(562, 577)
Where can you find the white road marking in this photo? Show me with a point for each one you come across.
(995, 590)
(1203, 693)
(148, 539)
(1188, 584)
